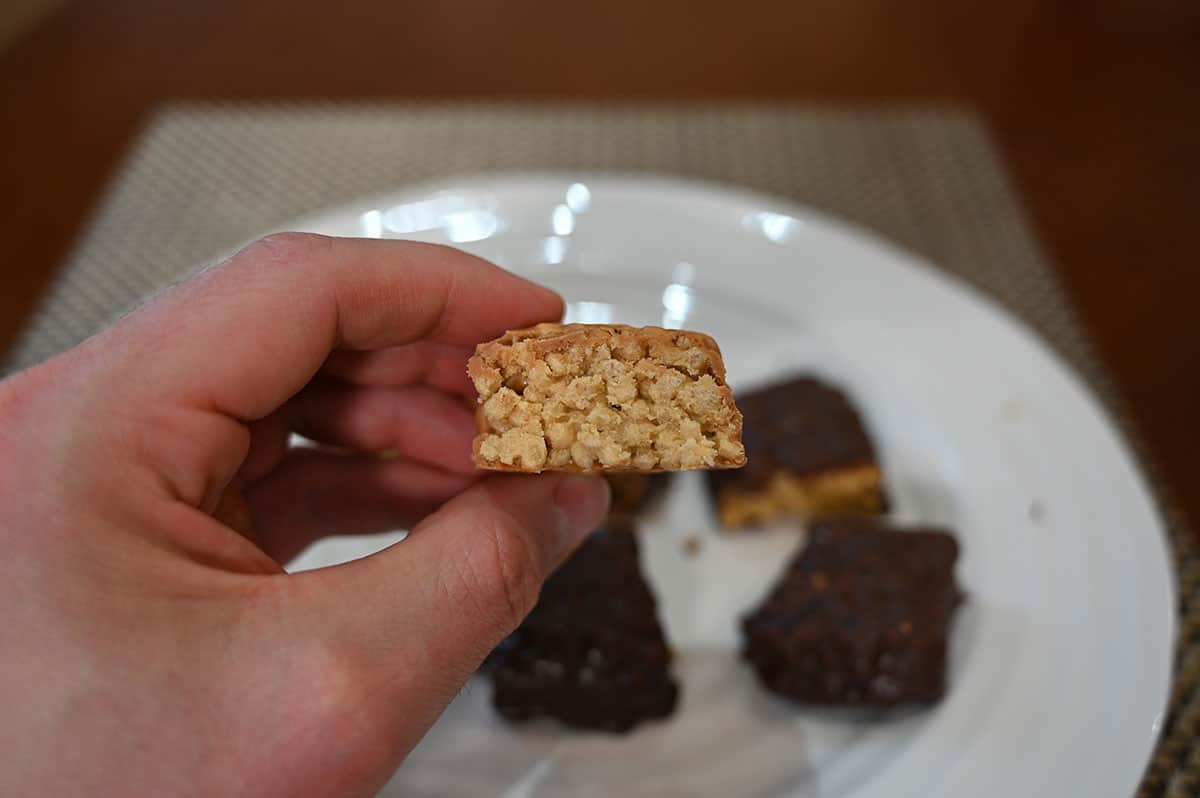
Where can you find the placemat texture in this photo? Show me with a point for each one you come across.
(203, 179)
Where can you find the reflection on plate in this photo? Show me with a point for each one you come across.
(1060, 660)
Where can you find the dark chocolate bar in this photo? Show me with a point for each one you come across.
(592, 653)
(860, 617)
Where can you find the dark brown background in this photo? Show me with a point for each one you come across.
(1095, 106)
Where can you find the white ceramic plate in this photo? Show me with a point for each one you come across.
(1061, 656)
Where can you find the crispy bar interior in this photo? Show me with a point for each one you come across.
(583, 397)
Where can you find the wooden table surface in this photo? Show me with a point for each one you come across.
(1095, 107)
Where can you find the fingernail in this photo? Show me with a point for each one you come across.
(583, 501)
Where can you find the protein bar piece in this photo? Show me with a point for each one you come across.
(584, 397)
(592, 653)
(808, 454)
(634, 491)
(861, 616)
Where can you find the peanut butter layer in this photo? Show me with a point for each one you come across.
(584, 397)
(856, 488)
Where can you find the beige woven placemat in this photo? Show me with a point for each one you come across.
(203, 179)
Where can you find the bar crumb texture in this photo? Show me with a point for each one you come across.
(584, 397)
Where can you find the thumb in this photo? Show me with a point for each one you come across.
(420, 616)
(484, 555)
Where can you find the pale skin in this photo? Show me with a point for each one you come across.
(151, 642)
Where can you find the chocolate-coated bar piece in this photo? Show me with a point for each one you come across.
(592, 653)
(860, 617)
(807, 452)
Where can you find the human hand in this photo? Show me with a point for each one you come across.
(150, 641)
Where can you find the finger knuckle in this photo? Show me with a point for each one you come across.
(503, 572)
(282, 247)
(336, 682)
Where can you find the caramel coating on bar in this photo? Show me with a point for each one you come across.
(583, 397)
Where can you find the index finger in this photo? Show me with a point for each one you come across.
(245, 336)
